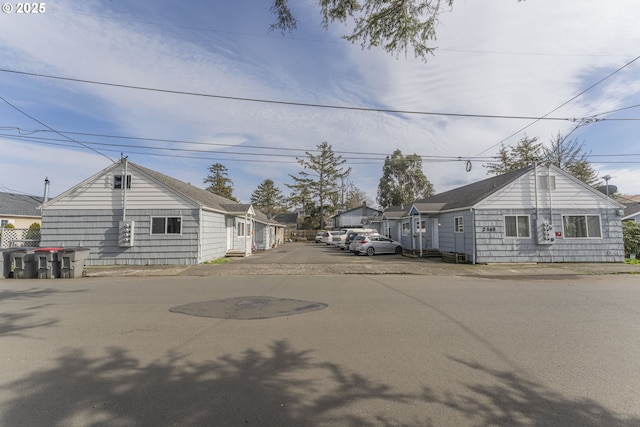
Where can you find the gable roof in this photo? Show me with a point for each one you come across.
(202, 197)
(395, 212)
(468, 195)
(12, 204)
(630, 210)
(199, 196)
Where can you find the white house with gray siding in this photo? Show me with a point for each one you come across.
(535, 214)
(360, 217)
(146, 218)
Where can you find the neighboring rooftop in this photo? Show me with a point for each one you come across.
(12, 204)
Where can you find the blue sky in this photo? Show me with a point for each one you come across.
(503, 58)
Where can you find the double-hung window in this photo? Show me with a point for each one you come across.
(459, 224)
(581, 226)
(517, 226)
(166, 225)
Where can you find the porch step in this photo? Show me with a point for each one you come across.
(432, 253)
(235, 254)
(454, 257)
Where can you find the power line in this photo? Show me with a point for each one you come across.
(562, 105)
(28, 137)
(53, 130)
(298, 104)
(291, 159)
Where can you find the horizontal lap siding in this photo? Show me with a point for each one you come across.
(214, 236)
(98, 230)
(144, 192)
(494, 247)
(449, 241)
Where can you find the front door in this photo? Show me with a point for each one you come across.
(435, 243)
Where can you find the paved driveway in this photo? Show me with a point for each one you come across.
(364, 350)
(317, 259)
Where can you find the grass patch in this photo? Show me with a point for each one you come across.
(631, 261)
(218, 261)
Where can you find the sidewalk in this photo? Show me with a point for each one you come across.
(426, 267)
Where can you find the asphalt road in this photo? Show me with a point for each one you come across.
(376, 350)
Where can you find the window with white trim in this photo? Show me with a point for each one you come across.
(581, 226)
(117, 182)
(517, 226)
(166, 225)
(241, 229)
(459, 224)
(546, 182)
(406, 228)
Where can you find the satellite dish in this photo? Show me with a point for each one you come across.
(612, 189)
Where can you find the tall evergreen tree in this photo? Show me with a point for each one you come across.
(562, 153)
(402, 180)
(218, 181)
(569, 156)
(526, 152)
(268, 198)
(394, 26)
(320, 179)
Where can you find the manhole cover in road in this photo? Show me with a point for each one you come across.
(248, 308)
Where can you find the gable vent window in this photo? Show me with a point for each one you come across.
(546, 182)
(117, 182)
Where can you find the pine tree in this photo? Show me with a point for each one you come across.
(568, 156)
(218, 182)
(268, 198)
(319, 179)
(525, 153)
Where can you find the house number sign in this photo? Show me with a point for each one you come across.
(485, 229)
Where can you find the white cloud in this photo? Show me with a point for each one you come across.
(528, 58)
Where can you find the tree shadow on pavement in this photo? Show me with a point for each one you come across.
(513, 400)
(278, 387)
(16, 322)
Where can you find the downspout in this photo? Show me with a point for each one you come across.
(473, 237)
(123, 182)
(550, 207)
(535, 189)
(246, 230)
(420, 232)
(549, 188)
(201, 236)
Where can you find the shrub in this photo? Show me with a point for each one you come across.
(631, 236)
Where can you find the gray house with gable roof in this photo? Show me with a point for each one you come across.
(130, 215)
(534, 214)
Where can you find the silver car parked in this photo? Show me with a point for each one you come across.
(375, 244)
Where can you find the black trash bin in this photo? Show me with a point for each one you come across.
(72, 261)
(24, 263)
(48, 263)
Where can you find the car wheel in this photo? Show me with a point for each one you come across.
(371, 251)
(398, 250)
